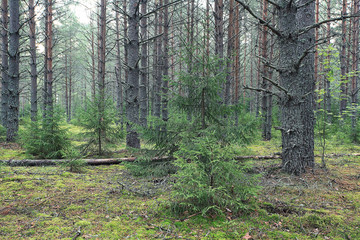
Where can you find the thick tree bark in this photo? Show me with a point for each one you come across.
(297, 110)
(132, 91)
(4, 63)
(33, 70)
(144, 68)
(14, 74)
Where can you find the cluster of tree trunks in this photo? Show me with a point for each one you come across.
(295, 24)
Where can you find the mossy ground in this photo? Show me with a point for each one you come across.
(106, 202)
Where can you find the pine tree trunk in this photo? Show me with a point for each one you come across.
(219, 38)
(49, 63)
(119, 89)
(266, 125)
(66, 87)
(297, 110)
(144, 68)
(165, 82)
(93, 66)
(230, 52)
(132, 46)
(159, 67)
(355, 67)
(33, 71)
(327, 87)
(316, 70)
(4, 64)
(14, 74)
(343, 97)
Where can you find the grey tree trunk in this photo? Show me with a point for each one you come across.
(4, 63)
(343, 95)
(144, 68)
(33, 70)
(165, 83)
(14, 61)
(132, 91)
(297, 107)
(230, 51)
(219, 37)
(159, 67)
(265, 98)
(119, 89)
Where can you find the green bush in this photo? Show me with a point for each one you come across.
(45, 139)
(73, 162)
(100, 128)
(209, 179)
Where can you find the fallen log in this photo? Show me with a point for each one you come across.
(110, 161)
(54, 162)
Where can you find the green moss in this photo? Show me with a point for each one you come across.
(83, 223)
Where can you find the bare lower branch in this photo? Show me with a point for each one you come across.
(316, 25)
(262, 90)
(276, 85)
(261, 21)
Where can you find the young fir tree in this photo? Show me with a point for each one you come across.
(202, 146)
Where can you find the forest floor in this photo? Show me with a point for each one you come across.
(107, 202)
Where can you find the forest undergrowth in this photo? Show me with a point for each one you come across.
(108, 202)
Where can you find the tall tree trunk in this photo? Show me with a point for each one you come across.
(132, 103)
(101, 71)
(343, 96)
(165, 60)
(159, 66)
(144, 67)
(93, 66)
(219, 37)
(327, 87)
(230, 52)
(119, 89)
(4, 63)
(66, 86)
(297, 110)
(33, 70)
(266, 124)
(14, 74)
(48, 73)
(316, 70)
(355, 67)
(70, 83)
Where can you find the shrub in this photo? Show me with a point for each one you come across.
(209, 180)
(46, 139)
(74, 163)
(100, 126)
